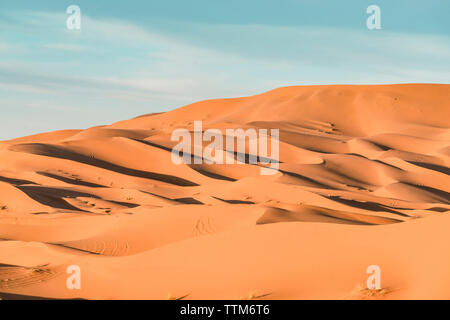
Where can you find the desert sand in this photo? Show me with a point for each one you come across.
(363, 180)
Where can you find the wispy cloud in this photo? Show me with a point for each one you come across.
(65, 46)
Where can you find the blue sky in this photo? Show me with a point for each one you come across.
(135, 57)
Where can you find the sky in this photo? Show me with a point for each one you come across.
(141, 56)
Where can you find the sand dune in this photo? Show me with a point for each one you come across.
(363, 180)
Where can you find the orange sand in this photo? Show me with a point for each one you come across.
(364, 180)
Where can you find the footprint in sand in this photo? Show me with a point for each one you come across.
(363, 293)
(12, 276)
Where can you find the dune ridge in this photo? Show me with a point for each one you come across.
(363, 179)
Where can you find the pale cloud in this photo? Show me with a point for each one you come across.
(65, 47)
(4, 47)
